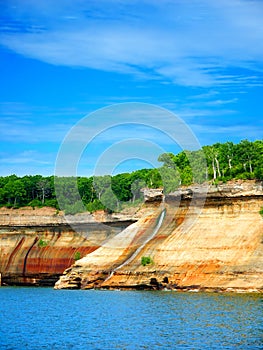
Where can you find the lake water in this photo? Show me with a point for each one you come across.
(43, 318)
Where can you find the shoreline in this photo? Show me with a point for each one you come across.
(220, 250)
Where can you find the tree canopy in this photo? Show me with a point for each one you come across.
(218, 162)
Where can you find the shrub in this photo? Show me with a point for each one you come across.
(146, 260)
(95, 205)
(42, 243)
(51, 203)
(35, 203)
(75, 208)
(77, 256)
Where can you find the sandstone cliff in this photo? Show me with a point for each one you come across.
(36, 246)
(194, 241)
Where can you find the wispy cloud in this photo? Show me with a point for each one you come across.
(222, 102)
(15, 130)
(30, 161)
(251, 132)
(25, 157)
(20, 122)
(190, 43)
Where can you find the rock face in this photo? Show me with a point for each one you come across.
(194, 241)
(199, 238)
(36, 246)
(152, 195)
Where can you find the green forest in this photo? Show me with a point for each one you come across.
(217, 163)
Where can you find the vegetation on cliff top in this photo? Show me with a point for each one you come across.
(224, 162)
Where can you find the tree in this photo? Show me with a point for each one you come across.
(15, 191)
(228, 149)
(101, 184)
(171, 179)
(44, 187)
(222, 162)
(121, 186)
(211, 153)
(258, 159)
(168, 160)
(154, 180)
(67, 192)
(109, 200)
(136, 188)
(86, 189)
(246, 152)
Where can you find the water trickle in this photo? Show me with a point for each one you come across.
(138, 250)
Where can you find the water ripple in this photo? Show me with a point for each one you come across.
(41, 318)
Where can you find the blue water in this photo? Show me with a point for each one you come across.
(42, 318)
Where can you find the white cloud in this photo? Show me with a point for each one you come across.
(193, 43)
(221, 102)
(241, 131)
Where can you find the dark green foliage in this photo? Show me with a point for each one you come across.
(77, 256)
(146, 260)
(261, 212)
(86, 189)
(220, 162)
(52, 203)
(95, 205)
(229, 161)
(121, 186)
(35, 203)
(42, 243)
(74, 208)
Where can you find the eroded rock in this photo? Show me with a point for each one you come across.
(219, 250)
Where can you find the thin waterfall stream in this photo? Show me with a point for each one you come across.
(138, 250)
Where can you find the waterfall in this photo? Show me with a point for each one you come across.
(138, 250)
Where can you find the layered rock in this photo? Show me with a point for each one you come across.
(202, 241)
(36, 246)
(206, 241)
(152, 194)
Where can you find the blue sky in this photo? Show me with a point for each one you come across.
(61, 61)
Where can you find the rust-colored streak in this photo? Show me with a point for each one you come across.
(219, 250)
(14, 253)
(54, 259)
(25, 260)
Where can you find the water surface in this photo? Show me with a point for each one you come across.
(43, 318)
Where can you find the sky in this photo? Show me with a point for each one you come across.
(128, 76)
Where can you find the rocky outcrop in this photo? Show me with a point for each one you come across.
(199, 238)
(36, 246)
(27, 216)
(152, 195)
(205, 241)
